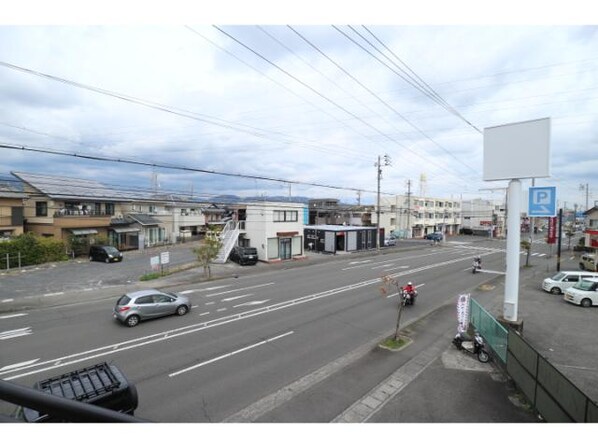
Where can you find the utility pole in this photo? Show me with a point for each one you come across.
(379, 172)
(409, 207)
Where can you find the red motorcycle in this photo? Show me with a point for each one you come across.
(408, 297)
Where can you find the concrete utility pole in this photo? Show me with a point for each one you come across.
(409, 207)
(379, 171)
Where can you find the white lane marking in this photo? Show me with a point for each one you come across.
(382, 266)
(15, 333)
(212, 288)
(87, 289)
(228, 299)
(396, 267)
(534, 254)
(359, 262)
(53, 294)
(13, 315)
(20, 364)
(402, 259)
(571, 258)
(249, 347)
(210, 303)
(255, 302)
(219, 310)
(542, 255)
(239, 289)
(8, 300)
(203, 314)
(182, 331)
(194, 306)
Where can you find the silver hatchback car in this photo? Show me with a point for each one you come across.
(134, 307)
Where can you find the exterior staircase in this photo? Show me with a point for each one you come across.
(229, 237)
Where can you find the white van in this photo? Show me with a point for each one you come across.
(565, 279)
(584, 293)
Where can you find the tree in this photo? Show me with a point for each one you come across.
(569, 232)
(388, 282)
(527, 246)
(208, 251)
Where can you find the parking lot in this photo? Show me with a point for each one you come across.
(564, 333)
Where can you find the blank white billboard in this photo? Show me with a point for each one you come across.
(517, 150)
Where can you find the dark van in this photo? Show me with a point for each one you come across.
(244, 255)
(106, 254)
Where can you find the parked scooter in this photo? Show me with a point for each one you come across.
(408, 298)
(475, 347)
(477, 265)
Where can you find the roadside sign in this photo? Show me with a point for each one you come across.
(542, 201)
(552, 224)
(463, 312)
(164, 257)
(155, 262)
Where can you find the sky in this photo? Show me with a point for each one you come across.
(312, 105)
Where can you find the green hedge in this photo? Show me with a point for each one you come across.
(33, 249)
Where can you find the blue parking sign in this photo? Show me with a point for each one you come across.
(542, 201)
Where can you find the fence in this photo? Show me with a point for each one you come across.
(10, 261)
(556, 398)
(492, 331)
(553, 396)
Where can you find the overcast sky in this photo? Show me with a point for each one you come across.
(312, 104)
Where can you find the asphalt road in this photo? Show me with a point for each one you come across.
(246, 337)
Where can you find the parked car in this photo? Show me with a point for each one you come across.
(434, 236)
(106, 254)
(589, 262)
(244, 255)
(102, 385)
(559, 282)
(391, 241)
(134, 307)
(584, 293)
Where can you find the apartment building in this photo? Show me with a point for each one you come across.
(483, 217)
(415, 216)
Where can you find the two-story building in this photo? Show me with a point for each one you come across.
(11, 211)
(275, 229)
(331, 211)
(591, 229)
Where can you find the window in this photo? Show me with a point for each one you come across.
(97, 208)
(152, 209)
(285, 216)
(109, 208)
(145, 300)
(41, 209)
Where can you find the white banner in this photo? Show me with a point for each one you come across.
(463, 313)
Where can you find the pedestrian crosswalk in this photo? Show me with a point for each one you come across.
(497, 249)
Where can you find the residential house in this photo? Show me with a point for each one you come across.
(591, 229)
(275, 229)
(11, 211)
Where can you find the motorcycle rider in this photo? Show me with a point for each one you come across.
(477, 262)
(409, 288)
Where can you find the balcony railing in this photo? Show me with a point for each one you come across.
(71, 212)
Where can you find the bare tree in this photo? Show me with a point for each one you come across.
(208, 251)
(389, 282)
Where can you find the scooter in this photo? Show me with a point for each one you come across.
(477, 266)
(408, 298)
(474, 347)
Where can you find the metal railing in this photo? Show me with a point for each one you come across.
(61, 408)
(495, 335)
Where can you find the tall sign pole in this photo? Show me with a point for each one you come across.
(527, 143)
(511, 302)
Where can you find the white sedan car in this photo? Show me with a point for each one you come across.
(584, 293)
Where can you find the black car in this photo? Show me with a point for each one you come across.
(244, 255)
(105, 253)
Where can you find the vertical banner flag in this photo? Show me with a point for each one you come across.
(552, 230)
(463, 312)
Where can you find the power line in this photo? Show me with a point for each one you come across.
(178, 167)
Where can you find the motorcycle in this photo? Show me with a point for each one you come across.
(477, 266)
(408, 298)
(474, 347)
